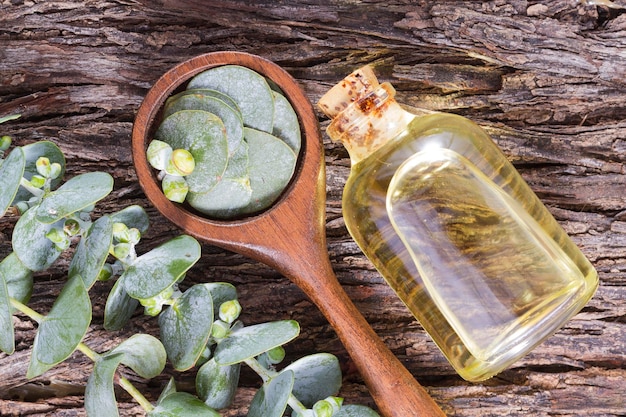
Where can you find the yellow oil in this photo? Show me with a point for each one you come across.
(465, 243)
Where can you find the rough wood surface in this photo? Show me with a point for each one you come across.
(546, 79)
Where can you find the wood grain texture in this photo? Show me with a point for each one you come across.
(545, 79)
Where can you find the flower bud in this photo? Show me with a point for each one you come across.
(220, 329)
(159, 154)
(43, 166)
(229, 311)
(175, 188)
(5, 142)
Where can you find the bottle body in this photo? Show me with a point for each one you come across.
(465, 243)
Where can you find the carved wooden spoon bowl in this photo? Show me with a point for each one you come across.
(289, 236)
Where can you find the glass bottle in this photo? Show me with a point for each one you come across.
(453, 228)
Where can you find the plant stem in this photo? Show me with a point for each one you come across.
(34, 191)
(26, 310)
(137, 396)
(87, 351)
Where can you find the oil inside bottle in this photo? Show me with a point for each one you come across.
(458, 234)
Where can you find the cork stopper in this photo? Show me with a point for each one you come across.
(355, 86)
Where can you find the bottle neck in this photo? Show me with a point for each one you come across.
(369, 122)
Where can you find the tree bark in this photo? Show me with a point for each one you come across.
(545, 80)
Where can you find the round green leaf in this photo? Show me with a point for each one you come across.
(7, 334)
(272, 164)
(186, 327)
(286, 125)
(18, 278)
(352, 410)
(206, 92)
(317, 376)
(119, 307)
(203, 134)
(158, 269)
(11, 172)
(142, 353)
(100, 390)
(9, 117)
(220, 293)
(248, 88)
(251, 341)
(182, 404)
(30, 244)
(92, 251)
(231, 118)
(217, 384)
(79, 192)
(62, 329)
(271, 399)
(132, 216)
(32, 152)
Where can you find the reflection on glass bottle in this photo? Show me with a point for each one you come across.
(454, 229)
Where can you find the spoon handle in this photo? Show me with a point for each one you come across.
(393, 388)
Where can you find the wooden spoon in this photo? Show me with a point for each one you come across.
(289, 236)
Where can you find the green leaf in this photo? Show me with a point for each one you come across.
(182, 404)
(317, 376)
(32, 152)
(119, 307)
(169, 388)
(203, 134)
(62, 329)
(217, 384)
(286, 125)
(79, 192)
(248, 88)
(133, 216)
(251, 341)
(30, 243)
(7, 333)
(158, 269)
(11, 172)
(92, 251)
(186, 327)
(9, 117)
(18, 278)
(206, 92)
(356, 411)
(143, 353)
(271, 399)
(220, 293)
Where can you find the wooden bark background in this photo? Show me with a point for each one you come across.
(546, 79)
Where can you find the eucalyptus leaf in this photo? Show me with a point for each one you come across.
(217, 384)
(142, 353)
(169, 388)
(11, 172)
(77, 193)
(317, 377)
(203, 134)
(251, 341)
(18, 278)
(182, 404)
(158, 269)
(272, 164)
(248, 88)
(92, 251)
(286, 124)
(34, 151)
(7, 333)
(206, 92)
(185, 327)
(134, 217)
(119, 307)
(62, 329)
(100, 390)
(352, 410)
(30, 244)
(271, 399)
(9, 117)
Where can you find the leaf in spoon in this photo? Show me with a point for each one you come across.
(231, 118)
(272, 164)
(286, 125)
(248, 88)
(206, 92)
(203, 134)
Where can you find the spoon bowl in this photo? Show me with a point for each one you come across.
(289, 236)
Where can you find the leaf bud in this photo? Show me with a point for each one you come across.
(71, 227)
(121, 232)
(5, 142)
(56, 235)
(121, 250)
(55, 170)
(159, 154)
(175, 188)
(134, 235)
(22, 206)
(220, 329)
(327, 407)
(229, 311)
(105, 273)
(276, 355)
(37, 181)
(182, 161)
(43, 166)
